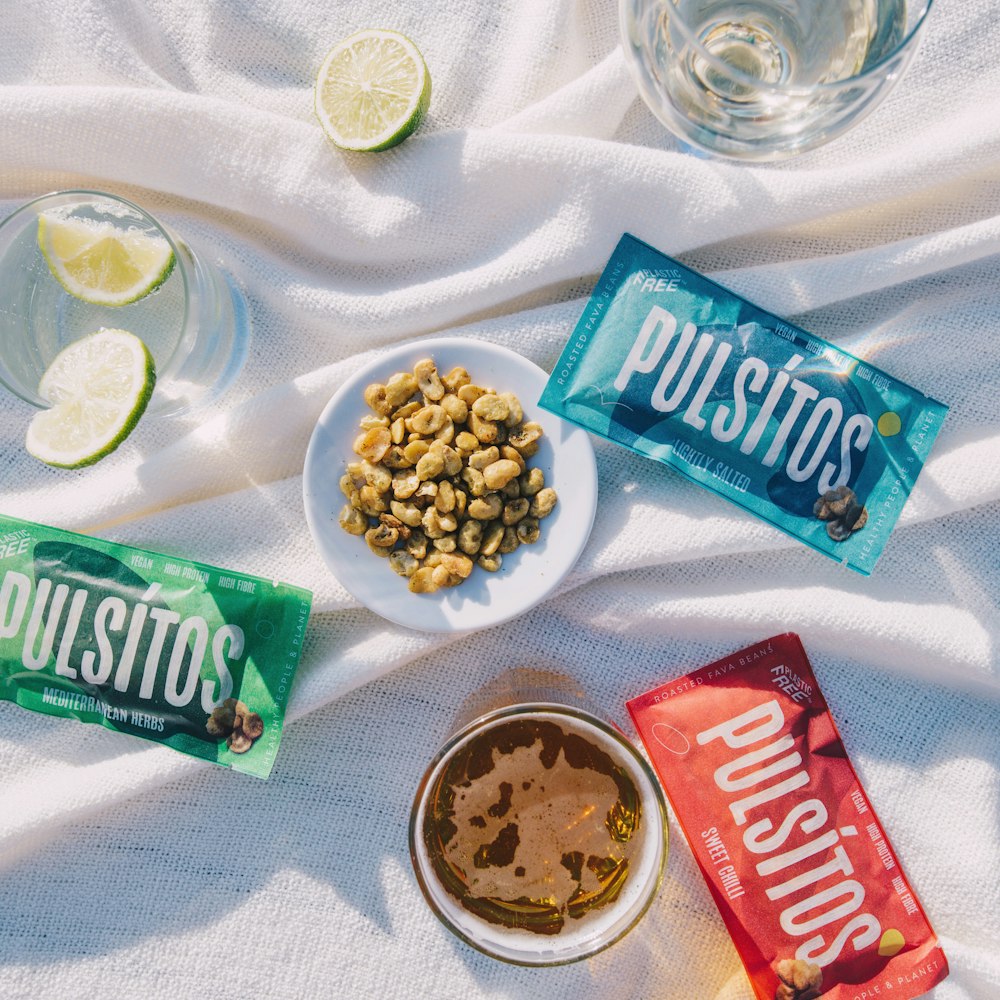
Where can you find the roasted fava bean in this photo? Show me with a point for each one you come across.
(415, 450)
(515, 415)
(416, 544)
(455, 379)
(391, 521)
(527, 530)
(447, 432)
(436, 524)
(426, 492)
(422, 581)
(443, 578)
(356, 471)
(353, 521)
(457, 564)
(445, 499)
(373, 444)
(405, 484)
(531, 482)
(406, 410)
(466, 442)
(469, 393)
(470, 536)
(515, 510)
(400, 388)
(475, 481)
(428, 380)
(427, 421)
(395, 458)
(452, 460)
(543, 502)
(510, 540)
(492, 537)
(382, 536)
(403, 563)
(491, 407)
(377, 475)
(487, 431)
(486, 508)
(510, 452)
(375, 398)
(526, 438)
(383, 551)
(456, 408)
(372, 502)
(446, 544)
(500, 473)
(409, 513)
(485, 456)
(431, 465)
(490, 563)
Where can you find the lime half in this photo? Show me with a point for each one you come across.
(100, 263)
(98, 386)
(372, 90)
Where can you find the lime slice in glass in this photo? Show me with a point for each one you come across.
(98, 386)
(372, 91)
(100, 263)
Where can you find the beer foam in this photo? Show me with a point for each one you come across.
(528, 841)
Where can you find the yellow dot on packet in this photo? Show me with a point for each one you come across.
(889, 424)
(891, 943)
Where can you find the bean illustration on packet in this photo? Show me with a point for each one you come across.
(824, 446)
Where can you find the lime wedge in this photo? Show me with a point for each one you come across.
(100, 263)
(372, 90)
(98, 386)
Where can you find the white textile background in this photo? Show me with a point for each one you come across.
(129, 870)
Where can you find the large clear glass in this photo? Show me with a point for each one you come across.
(538, 834)
(195, 323)
(765, 79)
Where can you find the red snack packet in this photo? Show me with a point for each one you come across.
(802, 872)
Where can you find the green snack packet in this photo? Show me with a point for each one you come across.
(174, 651)
(675, 367)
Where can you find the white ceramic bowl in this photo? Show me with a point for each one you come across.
(527, 575)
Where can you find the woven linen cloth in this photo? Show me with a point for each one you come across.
(127, 869)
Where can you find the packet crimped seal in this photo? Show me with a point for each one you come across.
(789, 845)
(195, 657)
(675, 367)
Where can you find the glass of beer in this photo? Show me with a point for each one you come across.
(764, 79)
(538, 834)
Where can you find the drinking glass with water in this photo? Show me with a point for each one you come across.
(76, 262)
(764, 79)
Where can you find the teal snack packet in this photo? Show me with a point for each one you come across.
(177, 652)
(675, 367)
